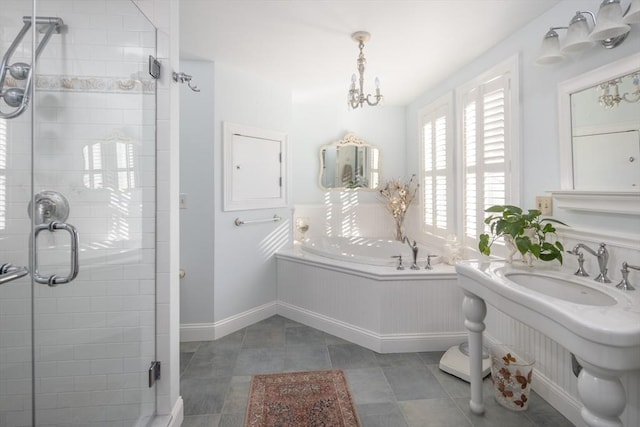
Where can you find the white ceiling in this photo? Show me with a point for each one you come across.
(306, 44)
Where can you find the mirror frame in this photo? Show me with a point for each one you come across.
(350, 139)
(623, 202)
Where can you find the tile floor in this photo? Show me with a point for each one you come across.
(392, 390)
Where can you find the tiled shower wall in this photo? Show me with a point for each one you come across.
(95, 143)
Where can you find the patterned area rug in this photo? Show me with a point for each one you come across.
(301, 399)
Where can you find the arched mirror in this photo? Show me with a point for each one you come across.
(349, 163)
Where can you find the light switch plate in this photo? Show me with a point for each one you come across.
(183, 201)
(544, 204)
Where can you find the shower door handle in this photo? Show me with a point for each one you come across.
(10, 272)
(54, 279)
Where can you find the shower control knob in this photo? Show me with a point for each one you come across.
(13, 96)
(19, 70)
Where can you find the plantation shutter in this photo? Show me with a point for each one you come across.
(437, 169)
(485, 152)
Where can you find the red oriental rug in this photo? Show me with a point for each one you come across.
(301, 399)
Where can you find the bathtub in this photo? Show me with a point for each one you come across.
(350, 288)
(367, 250)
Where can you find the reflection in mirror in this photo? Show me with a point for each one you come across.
(349, 163)
(605, 135)
(111, 171)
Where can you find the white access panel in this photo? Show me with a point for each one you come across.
(255, 168)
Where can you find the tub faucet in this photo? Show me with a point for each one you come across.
(602, 255)
(400, 266)
(414, 249)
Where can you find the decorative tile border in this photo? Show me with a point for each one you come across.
(56, 83)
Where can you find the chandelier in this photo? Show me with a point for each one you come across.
(357, 98)
(610, 96)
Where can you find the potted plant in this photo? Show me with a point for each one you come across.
(527, 233)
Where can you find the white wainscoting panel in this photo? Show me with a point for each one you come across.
(390, 314)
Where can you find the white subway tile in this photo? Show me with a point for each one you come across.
(55, 384)
(89, 382)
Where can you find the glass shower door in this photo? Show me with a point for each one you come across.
(77, 192)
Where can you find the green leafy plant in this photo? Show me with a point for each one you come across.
(530, 233)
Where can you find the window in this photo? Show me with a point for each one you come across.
(471, 166)
(488, 139)
(437, 168)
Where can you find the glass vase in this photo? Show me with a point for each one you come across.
(399, 228)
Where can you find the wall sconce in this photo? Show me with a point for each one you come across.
(610, 28)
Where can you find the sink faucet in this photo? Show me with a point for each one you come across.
(624, 283)
(414, 249)
(580, 271)
(602, 254)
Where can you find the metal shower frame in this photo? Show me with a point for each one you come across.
(20, 71)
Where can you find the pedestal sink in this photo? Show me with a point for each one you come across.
(597, 322)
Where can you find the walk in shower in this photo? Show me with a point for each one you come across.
(77, 214)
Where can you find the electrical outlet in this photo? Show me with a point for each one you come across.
(544, 204)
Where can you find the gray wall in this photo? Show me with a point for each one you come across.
(229, 269)
(196, 180)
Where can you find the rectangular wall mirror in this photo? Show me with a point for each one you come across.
(599, 135)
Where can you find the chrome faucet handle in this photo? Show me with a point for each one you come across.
(429, 267)
(624, 284)
(581, 271)
(400, 266)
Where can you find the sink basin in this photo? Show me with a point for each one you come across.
(563, 289)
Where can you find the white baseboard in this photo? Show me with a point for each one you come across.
(396, 343)
(190, 332)
(212, 331)
(564, 403)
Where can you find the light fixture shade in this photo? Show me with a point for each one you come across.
(550, 50)
(609, 23)
(577, 35)
(633, 14)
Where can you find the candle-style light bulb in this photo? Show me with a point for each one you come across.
(377, 82)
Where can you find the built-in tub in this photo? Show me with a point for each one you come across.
(376, 306)
(367, 250)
